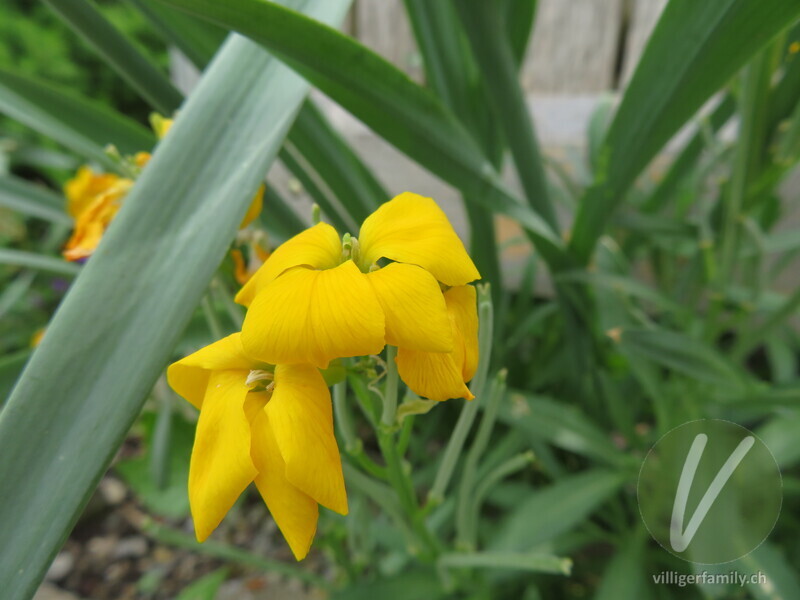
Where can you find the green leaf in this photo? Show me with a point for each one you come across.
(683, 354)
(412, 584)
(384, 98)
(485, 27)
(172, 499)
(114, 331)
(353, 184)
(624, 577)
(40, 262)
(556, 509)
(695, 49)
(85, 126)
(781, 575)
(537, 563)
(148, 81)
(197, 39)
(780, 434)
(560, 424)
(205, 588)
(32, 200)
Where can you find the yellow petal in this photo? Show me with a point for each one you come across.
(433, 375)
(255, 208)
(301, 416)
(294, 512)
(307, 316)
(463, 309)
(221, 467)
(92, 222)
(189, 376)
(415, 310)
(82, 189)
(160, 124)
(412, 229)
(318, 247)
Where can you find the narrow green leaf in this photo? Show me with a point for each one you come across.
(83, 125)
(133, 298)
(537, 563)
(560, 424)
(520, 17)
(347, 176)
(769, 561)
(780, 434)
(197, 39)
(205, 588)
(384, 98)
(39, 262)
(119, 52)
(556, 509)
(624, 577)
(695, 49)
(683, 354)
(485, 29)
(32, 200)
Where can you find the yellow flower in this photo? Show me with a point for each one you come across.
(270, 426)
(85, 187)
(93, 199)
(92, 221)
(318, 298)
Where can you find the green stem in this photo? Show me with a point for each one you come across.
(352, 444)
(464, 527)
(214, 326)
(390, 391)
(456, 442)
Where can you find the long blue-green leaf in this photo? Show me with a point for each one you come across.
(116, 328)
(314, 142)
(32, 200)
(405, 114)
(83, 125)
(119, 52)
(695, 49)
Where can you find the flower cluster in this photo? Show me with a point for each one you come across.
(93, 199)
(265, 410)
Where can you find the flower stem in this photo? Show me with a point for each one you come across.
(352, 444)
(214, 326)
(390, 391)
(464, 515)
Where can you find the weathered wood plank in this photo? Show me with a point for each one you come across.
(383, 26)
(574, 46)
(644, 16)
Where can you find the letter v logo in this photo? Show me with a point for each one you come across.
(678, 538)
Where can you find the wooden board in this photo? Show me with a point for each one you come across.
(383, 26)
(574, 46)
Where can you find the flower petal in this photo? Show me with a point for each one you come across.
(432, 375)
(189, 376)
(318, 247)
(415, 311)
(463, 309)
(307, 316)
(221, 467)
(82, 189)
(255, 208)
(412, 229)
(295, 512)
(301, 415)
